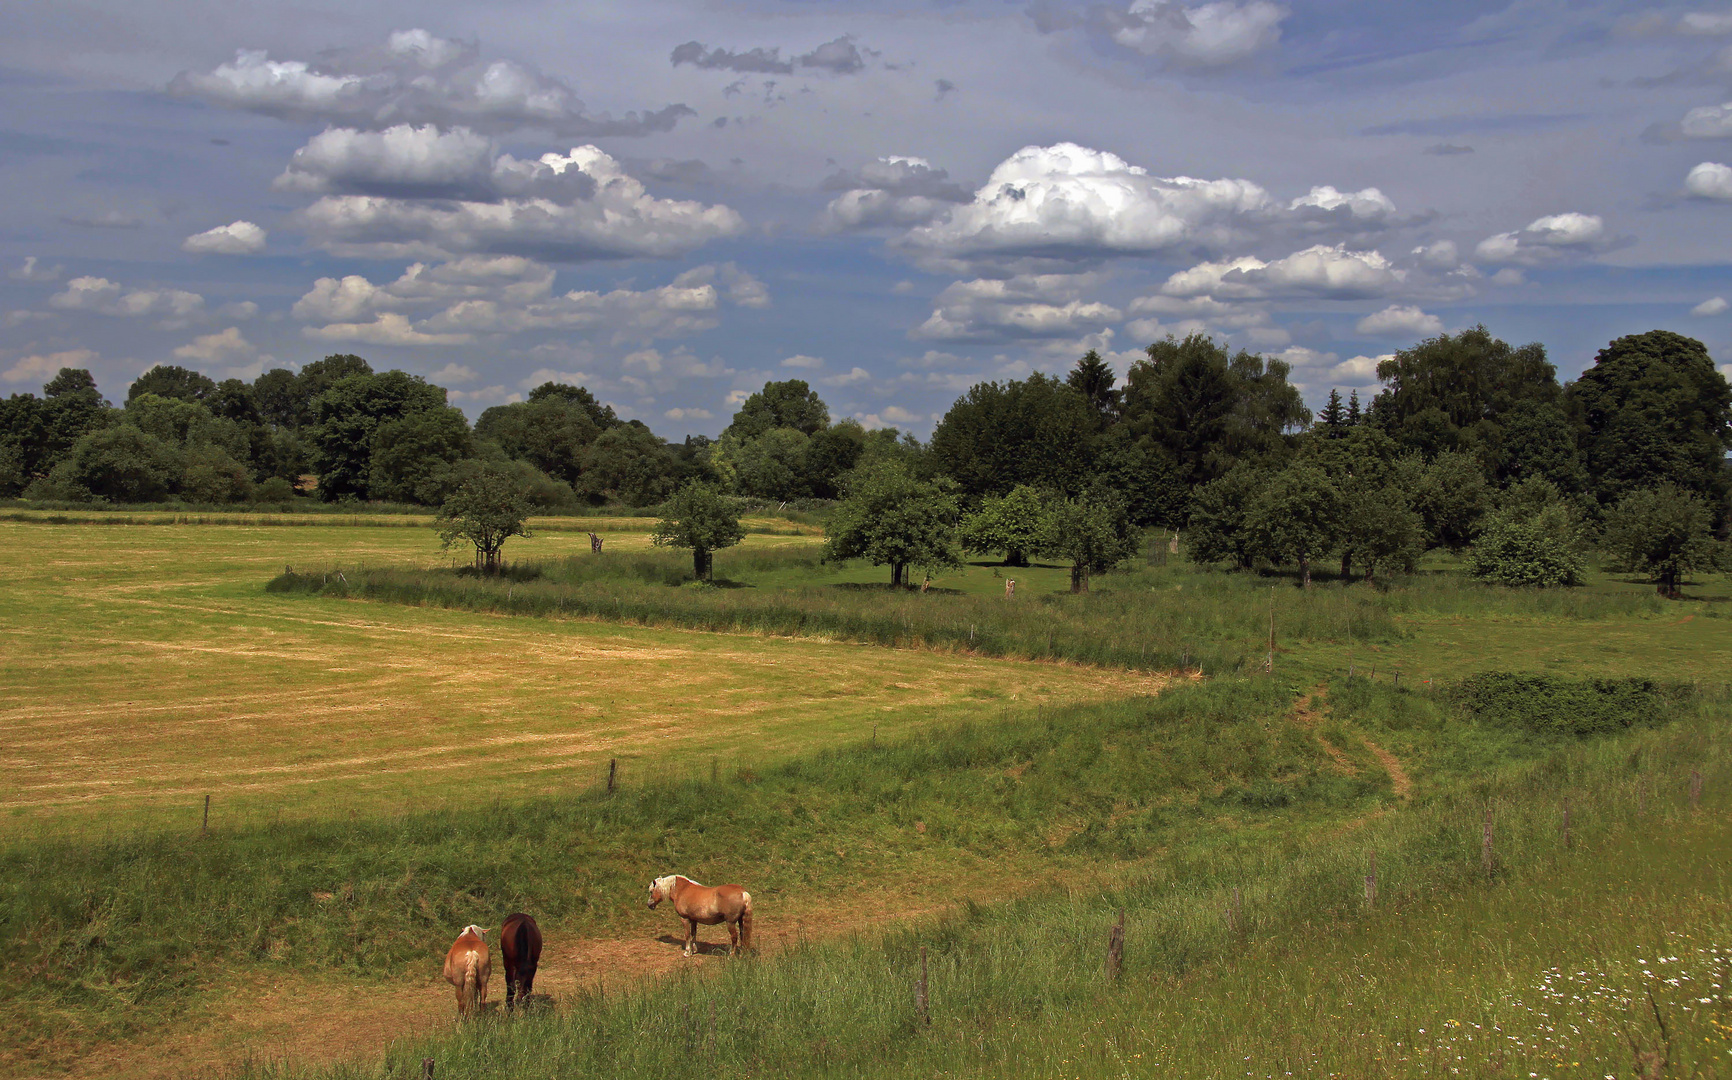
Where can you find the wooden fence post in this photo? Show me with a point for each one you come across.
(1371, 882)
(1116, 947)
(205, 828)
(1485, 845)
(612, 769)
(921, 1011)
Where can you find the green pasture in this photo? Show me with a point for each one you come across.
(1250, 949)
(142, 668)
(397, 747)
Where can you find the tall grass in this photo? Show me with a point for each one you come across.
(114, 935)
(1233, 966)
(1210, 623)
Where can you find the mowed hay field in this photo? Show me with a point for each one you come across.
(144, 667)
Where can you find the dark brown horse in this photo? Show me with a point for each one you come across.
(708, 905)
(520, 949)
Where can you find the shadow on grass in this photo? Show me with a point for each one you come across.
(886, 587)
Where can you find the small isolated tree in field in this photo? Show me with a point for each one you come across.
(487, 509)
(1093, 533)
(1008, 523)
(1663, 532)
(697, 517)
(891, 518)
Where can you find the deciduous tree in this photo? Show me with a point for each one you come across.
(891, 518)
(486, 510)
(698, 517)
(1663, 532)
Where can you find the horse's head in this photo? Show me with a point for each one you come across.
(660, 889)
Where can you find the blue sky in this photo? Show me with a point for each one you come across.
(675, 202)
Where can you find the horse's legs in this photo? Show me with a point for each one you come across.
(691, 936)
(734, 938)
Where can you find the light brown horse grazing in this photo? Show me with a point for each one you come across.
(708, 905)
(520, 949)
(468, 967)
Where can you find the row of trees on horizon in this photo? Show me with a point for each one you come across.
(1214, 443)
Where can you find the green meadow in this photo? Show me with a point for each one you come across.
(394, 748)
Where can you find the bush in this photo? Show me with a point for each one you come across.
(1539, 548)
(274, 490)
(1550, 705)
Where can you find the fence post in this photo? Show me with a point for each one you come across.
(204, 829)
(1371, 882)
(612, 769)
(921, 1012)
(1485, 845)
(1695, 789)
(1116, 947)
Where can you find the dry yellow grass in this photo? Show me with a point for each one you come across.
(144, 667)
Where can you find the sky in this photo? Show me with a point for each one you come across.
(675, 202)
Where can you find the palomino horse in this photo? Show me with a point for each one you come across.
(467, 967)
(520, 949)
(708, 905)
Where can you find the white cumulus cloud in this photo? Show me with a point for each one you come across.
(1400, 321)
(105, 297)
(1709, 180)
(387, 328)
(1714, 305)
(1321, 270)
(235, 238)
(46, 366)
(618, 219)
(228, 347)
(29, 271)
(1551, 237)
(1027, 306)
(901, 191)
(1068, 201)
(1205, 35)
(416, 78)
(1708, 122)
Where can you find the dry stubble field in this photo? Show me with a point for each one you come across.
(143, 667)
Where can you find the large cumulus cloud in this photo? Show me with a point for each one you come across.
(1068, 201)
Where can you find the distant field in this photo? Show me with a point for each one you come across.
(143, 668)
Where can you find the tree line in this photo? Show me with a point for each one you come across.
(1471, 445)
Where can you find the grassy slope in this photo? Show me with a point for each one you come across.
(1544, 972)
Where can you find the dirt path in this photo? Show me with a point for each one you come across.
(336, 1020)
(1310, 710)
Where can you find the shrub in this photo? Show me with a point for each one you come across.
(1551, 705)
(1534, 541)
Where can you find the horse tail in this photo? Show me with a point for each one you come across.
(471, 982)
(520, 940)
(745, 921)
